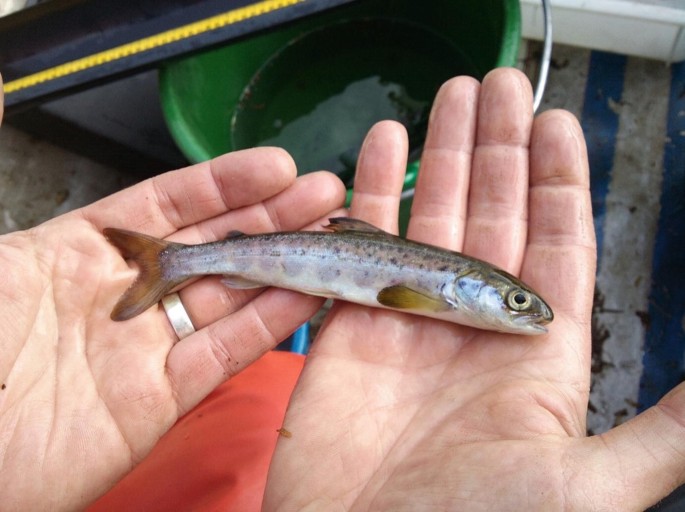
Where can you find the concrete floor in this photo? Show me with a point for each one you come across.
(39, 180)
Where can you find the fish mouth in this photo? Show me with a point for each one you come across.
(534, 323)
(537, 328)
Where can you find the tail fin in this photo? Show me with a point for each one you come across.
(150, 285)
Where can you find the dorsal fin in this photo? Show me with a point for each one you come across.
(342, 224)
(234, 234)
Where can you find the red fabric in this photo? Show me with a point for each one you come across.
(217, 456)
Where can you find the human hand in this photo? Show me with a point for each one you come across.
(84, 398)
(397, 412)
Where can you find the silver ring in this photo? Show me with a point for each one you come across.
(178, 316)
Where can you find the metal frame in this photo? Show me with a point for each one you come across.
(61, 46)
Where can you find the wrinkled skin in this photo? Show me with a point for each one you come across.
(400, 413)
(392, 412)
(84, 398)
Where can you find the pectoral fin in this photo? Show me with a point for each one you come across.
(401, 297)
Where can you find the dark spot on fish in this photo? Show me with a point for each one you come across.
(393, 261)
(632, 209)
(3, 387)
(443, 268)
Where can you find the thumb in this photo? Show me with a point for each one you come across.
(636, 464)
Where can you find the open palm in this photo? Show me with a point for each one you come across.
(395, 412)
(84, 398)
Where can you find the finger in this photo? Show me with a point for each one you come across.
(161, 205)
(561, 253)
(223, 349)
(438, 212)
(380, 176)
(311, 197)
(497, 209)
(243, 325)
(559, 262)
(638, 463)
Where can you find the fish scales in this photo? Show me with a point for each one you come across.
(355, 262)
(318, 263)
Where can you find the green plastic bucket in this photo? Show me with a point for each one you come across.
(314, 87)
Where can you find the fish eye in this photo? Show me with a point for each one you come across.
(518, 300)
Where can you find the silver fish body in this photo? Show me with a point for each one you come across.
(353, 261)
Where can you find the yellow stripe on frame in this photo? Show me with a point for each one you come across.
(149, 43)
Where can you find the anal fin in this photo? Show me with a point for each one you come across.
(240, 283)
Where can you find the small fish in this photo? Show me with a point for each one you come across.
(352, 261)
